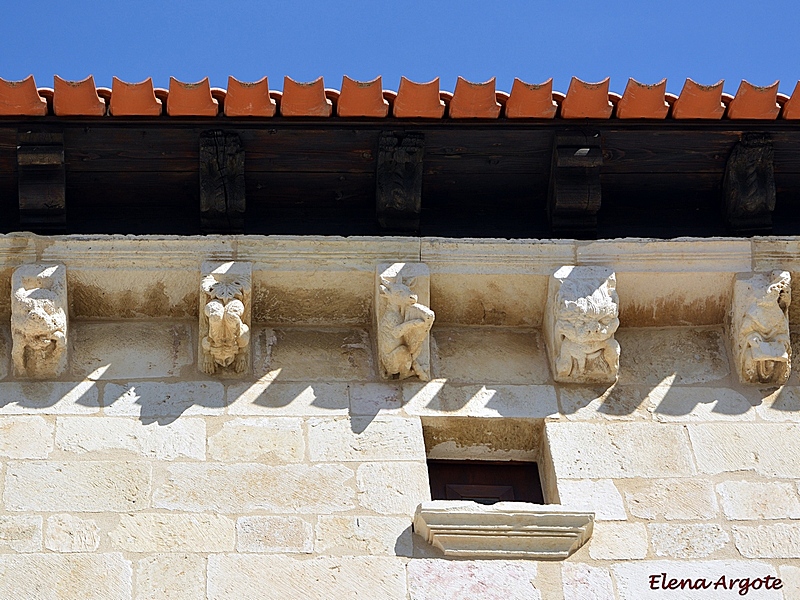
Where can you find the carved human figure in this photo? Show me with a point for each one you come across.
(760, 327)
(582, 316)
(39, 320)
(224, 320)
(403, 328)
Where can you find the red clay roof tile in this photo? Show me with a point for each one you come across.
(699, 101)
(754, 102)
(20, 98)
(249, 99)
(134, 99)
(191, 99)
(531, 100)
(587, 100)
(791, 108)
(362, 99)
(418, 100)
(77, 98)
(474, 100)
(305, 99)
(642, 101)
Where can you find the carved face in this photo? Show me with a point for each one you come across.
(223, 354)
(589, 319)
(398, 294)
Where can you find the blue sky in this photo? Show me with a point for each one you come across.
(707, 40)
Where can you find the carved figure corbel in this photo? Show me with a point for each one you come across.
(403, 320)
(759, 327)
(39, 321)
(225, 300)
(581, 317)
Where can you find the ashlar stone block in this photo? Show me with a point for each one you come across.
(68, 533)
(781, 540)
(584, 582)
(274, 534)
(258, 439)
(365, 439)
(432, 579)
(671, 499)
(163, 532)
(618, 541)
(363, 535)
(39, 321)
(759, 327)
(403, 320)
(225, 318)
(687, 540)
(21, 533)
(759, 500)
(25, 437)
(581, 317)
(394, 488)
(171, 577)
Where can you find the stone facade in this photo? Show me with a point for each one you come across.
(136, 475)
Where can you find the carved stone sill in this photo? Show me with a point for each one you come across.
(502, 530)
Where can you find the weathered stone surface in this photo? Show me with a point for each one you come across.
(674, 403)
(633, 579)
(671, 499)
(365, 439)
(106, 435)
(134, 350)
(49, 398)
(171, 577)
(274, 534)
(68, 533)
(584, 582)
(160, 532)
(590, 403)
(438, 398)
(781, 405)
(258, 439)
(320, 488)
(260, 577)
(433, 579)
(460, 438)
(781, 540)
(21, 533)
(753, 501)
(687, 540)
(65, 577)
(151, 399)
(517, 357)
(618, 541)
(337, 535)
(89, 486)
(375, 398)
(790, 576)
(393, 488)
(769, 449)
(315, 355)
(265, 397)
(679, 356)
(614, 450)
(25, 437)
(600, 497)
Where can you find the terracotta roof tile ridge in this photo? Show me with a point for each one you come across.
(134, 99)
(643, 101)
(21, 98)
(77, 98)
(249, 99)
(531, 100)
(697, 101)
(791, 106)
(586, 100)
(418, 100)
(191, 99)
(305, 99)
(473, 100)
(755, 102)
(362, 99)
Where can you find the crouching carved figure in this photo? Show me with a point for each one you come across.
(581, 317)
(403, 323)
(225, 317)
(39, 320)
(759, 327)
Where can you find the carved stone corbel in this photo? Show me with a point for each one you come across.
(581, 316)
(403, 320)
(225, 313)
(39, 321)
(759, 327)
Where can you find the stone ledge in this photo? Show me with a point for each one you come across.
(502, 530)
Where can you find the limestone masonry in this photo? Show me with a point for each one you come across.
(236, 418)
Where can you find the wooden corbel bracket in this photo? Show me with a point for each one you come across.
(749, 185)
(222, 186)
(398, 197)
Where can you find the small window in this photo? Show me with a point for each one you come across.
(485, 482)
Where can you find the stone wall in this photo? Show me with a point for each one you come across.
(136, 476)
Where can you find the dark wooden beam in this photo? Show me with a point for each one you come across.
(41, 181)
(574, 194)
(398, 196)
(222, 183)
(749, 185)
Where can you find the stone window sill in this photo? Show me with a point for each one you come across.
(503, 530)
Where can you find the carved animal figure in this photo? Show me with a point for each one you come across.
(227, 337)
(586, 323)
(765, 332)
(402, 330)
(39, 336)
